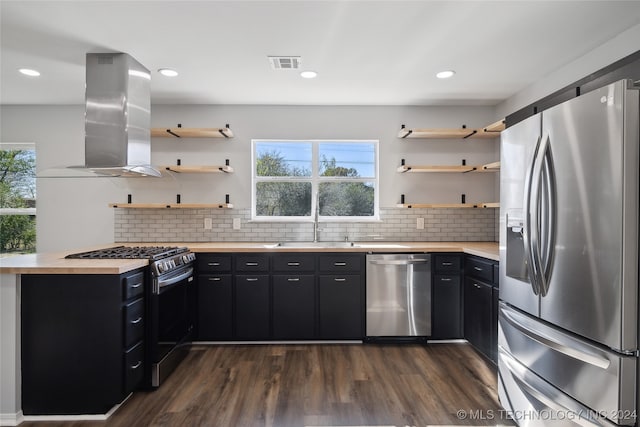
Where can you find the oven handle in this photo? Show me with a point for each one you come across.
(174, 280)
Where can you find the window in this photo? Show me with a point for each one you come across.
(17, 198)
(336, 180)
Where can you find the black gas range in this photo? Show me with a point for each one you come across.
(169, 303)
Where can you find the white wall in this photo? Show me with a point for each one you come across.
(73, 212)
(617, 48)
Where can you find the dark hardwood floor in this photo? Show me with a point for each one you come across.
(317, 385)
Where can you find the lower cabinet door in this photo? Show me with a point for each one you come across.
(215, 307)
(340, 307)
(447, 307)
(133, 367)
(252, 307)
(478, 300)
(293, 307)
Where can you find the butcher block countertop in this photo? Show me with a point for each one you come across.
(55, 263)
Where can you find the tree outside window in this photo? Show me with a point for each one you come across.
(291, 179)
(17, 198)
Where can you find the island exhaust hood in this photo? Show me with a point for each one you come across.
(117, 116)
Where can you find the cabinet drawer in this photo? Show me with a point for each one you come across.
(294, 262)
(213, 263)
(133, 285)
(446, 280)
(253, 262)
(133, 322)
(340, 262)
(478, 268)
(133, 367)
(447, 263)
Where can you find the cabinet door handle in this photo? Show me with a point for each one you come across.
(251, 264)
(293, 264)
(477, 286)
(293, 279)
(213, 264)
(447, 264)
(252, 279)
(136, 366)
(445, 279)
(214, 279)
(137, 285)
(340, 279)
(138, 320)
(339, 264)
(477, 268)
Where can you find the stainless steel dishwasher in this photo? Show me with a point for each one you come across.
(398, 295)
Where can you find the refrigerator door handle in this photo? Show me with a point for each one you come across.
(547, 209)
(576, 351)
(544, 393)
(527, 237)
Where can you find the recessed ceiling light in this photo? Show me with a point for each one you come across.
(445, 74)
(308, 74)
(29, 72)
(168, 72)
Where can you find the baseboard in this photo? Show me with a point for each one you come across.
(11, 419)
(81, 417)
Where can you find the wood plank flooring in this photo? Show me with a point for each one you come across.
(316, 385)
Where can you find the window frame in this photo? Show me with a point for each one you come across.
(315, 179)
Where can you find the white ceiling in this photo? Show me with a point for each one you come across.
(365, 52)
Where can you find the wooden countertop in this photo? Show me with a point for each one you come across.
(55, 263)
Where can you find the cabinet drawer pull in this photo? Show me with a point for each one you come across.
(137, 285)
(213, 264)
(214, 279)
(293, 264)
(138, 320)
(293, 279)
(251, 264)
(252, 279)
(477, 268)
(447, 264)
(340, 279)
(445, 279)
(136, 366)
(339, 264)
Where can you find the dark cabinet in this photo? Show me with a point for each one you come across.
(293, 306)
(341, 296)
(82, 341)
(481, 305)
(478, 300)
(215, 307)
(252, 307)
(282, 296)
(447, 297)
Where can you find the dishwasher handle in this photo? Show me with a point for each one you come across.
(399, 261)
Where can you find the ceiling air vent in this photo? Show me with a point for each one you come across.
(285, 62)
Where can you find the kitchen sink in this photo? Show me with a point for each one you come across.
(332, 245)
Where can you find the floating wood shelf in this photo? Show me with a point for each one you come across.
(447, 205)
(489, 167)
(180, 132)
(199, 169)
(491, 131)
(171, 205)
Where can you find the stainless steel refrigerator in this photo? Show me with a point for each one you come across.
(568, 313)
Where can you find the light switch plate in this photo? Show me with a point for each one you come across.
(420, 223)
(208, 223)
(236, 223)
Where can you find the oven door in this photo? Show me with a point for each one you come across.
(171, 323)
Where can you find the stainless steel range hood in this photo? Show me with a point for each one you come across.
(117, 116)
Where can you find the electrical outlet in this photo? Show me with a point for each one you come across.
(208, 223)
(420, 223)
(236, 223)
